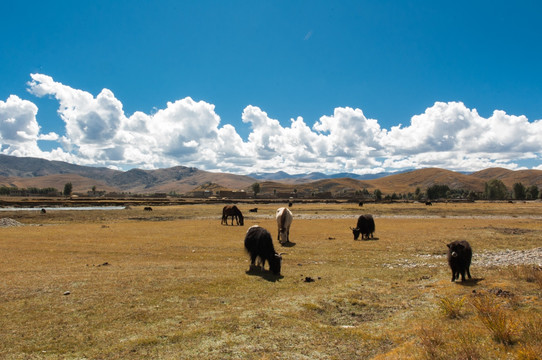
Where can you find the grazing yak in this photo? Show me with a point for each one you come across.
(259, 245)
(284, 221)
(253, 210)
(459, 258)
(365, 227)
(147, 208)
(234, 212)
(428, 203)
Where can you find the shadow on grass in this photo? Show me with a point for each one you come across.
(288, 244)
(264, 274)
(371, 239)
(469, 282)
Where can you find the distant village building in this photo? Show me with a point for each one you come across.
(200, 194)
(285, 195)
(323, 195)
(232, 194)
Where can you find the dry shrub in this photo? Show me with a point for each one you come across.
(529, 352)
(451, 308)
(495, 319)
(438, 343)
(531, 349)
(432, 343)
(529, 273)
(468, 347)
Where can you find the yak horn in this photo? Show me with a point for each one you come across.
(283, 254)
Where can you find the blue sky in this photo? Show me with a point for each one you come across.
(297, 86)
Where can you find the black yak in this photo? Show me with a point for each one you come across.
(259, 245)
(459, 258)
(429, 203)
(365, 227)
(234, 212)
(147, 208)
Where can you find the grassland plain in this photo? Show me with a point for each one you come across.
(172, 283)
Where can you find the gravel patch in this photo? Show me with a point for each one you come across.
(7, 222)
(484, 259)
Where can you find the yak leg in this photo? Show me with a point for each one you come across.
(261, 263)
(253, 260)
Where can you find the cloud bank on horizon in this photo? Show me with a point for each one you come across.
(190, 133)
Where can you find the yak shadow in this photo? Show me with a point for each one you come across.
(370, 239)
(288, 244)
(264, 274)
(469, 282)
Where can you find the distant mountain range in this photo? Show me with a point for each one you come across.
(24, 172)
(283, 176)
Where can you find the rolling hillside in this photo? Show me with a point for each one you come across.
(399, 183)
(40, 173)
(510, 177)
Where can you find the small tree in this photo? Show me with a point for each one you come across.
(418, 194)
(378, 195)
(532, 192)
(437, 191)
(256, 188)
(519, 191)
(495, 190)
(68, 189)
(472, 196)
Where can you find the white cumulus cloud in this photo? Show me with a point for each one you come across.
(19, 129)
(189, 132)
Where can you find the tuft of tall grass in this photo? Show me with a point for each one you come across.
(451, 308)
(528, 352)
(529, 273)
(531, 338)
(495, 319)
(439, 343)
(432, 343)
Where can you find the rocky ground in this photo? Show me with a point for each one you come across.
(7, 222)
(484, 259)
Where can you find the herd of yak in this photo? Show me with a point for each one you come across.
(259, 243)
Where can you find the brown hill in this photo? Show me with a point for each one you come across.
(80, 184)
(424, 178)
(510, 177)
(40, 173)
(399, 183)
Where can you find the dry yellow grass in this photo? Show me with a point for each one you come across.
(172, 284)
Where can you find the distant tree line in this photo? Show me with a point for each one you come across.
(494, 189)
(15, 191)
